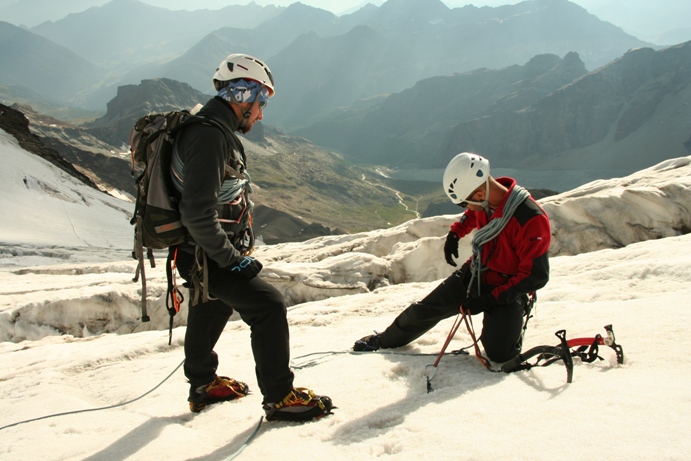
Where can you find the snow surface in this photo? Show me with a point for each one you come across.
(71, 338)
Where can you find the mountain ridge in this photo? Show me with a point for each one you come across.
(597, 112)
(420, 40)
(322, 192)
(621, 117)
(396, 130)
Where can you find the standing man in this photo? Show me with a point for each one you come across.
(509, 261)
(209, 170)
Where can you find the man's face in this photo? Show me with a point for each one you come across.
(475, 207)
(254, 114)
(478, 195)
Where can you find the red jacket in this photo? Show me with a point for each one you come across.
(516, 261)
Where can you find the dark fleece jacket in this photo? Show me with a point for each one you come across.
(204, 151)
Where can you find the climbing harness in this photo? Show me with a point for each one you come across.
(174, 297)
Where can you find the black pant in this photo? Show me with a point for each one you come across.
(501, 326)
(260, 306)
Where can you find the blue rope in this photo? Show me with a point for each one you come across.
(249, 440)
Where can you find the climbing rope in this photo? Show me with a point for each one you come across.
(233, 456)
(491, 230)
(249, 440)
(295, 365)
(95, 409)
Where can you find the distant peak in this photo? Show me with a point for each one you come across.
(414, 4)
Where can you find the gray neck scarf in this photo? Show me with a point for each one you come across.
(492, 230)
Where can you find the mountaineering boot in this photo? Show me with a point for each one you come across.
(301, 404)
(220, 389)
(368, 343)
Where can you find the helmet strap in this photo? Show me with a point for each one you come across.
(246, 113)
(485, 203)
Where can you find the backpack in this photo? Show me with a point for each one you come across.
(156, 216)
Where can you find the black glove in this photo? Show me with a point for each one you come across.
(451, 247)
(247, 267)
(482, 303)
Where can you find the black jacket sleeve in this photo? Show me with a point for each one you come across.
(203, 150)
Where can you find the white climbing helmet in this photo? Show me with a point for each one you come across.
(238, 65)
(465, 173)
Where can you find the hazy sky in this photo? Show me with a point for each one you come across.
(645, 19)
(642, 18)
(335, 6)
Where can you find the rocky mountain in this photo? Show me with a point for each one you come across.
(100, 147)
(418, 120)
(29, 13)
(15, 123)
(42, 66)
(408, 84)
(301, 191)
(627, 115)
(133, 101)
(549, 115)
(129, 32)
(401, 43)
(646, 20)
(195, 64)
(96, 162)
(322, 61)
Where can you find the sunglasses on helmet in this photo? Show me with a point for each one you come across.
(263, 98)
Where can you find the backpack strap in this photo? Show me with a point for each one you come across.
(200, 269)
(235, 167)
(138, 254)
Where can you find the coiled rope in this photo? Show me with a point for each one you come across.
(491, 230)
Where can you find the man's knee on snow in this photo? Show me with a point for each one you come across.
(500, 350)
